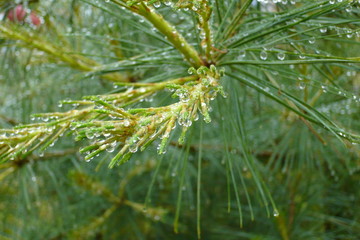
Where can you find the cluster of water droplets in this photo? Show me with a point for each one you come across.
(186, 120)
(270, 5)
(183, 94)
(20, 139)
(344, 107)
(292, 2)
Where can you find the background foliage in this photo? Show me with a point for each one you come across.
(279, 158)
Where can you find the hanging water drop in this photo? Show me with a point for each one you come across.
(89, 135)
(312, 40)
(263, 55)
(157, 4)
(111, 147)
(242, 54)
(280, 56)
(323, 30)
(168, 3)
(133, 147)
(276, 213)
(302, 86)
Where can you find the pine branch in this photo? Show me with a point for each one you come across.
(303, 56)
(130, 130)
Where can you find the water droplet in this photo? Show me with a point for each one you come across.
(349, 34)
(263, 55)
(106, 134)
(89, 134)
(157, 4)
(111, 147)
(168, 3)
(281, 56)
(312, 40)
(126, 123)
(276, 213)
(323, 29)
(302, 86)
(133, 148)
(348, 8)
(191, 71)
(242, 54)
(324, 88)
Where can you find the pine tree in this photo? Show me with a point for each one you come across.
(179, 119)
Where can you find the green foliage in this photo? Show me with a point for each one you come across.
(275, 156)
